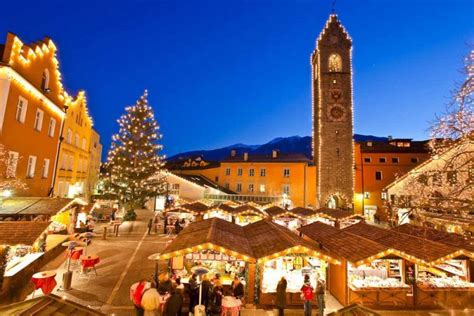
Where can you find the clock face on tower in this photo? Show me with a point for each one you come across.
(336, 112)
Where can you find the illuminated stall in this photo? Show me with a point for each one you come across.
(336, 217)
(259, 253)
(247, 214)
(285, 217)
(439, 273)
(222, 211)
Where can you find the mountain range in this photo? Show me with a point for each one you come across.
(292, 144)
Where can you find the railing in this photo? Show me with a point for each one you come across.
(242, 198)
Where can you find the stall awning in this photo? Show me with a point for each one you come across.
(275, 211)
(248, 209)
(21, 232)
(261, 240)
(194, 208)
(303, 212)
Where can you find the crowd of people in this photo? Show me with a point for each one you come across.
(166, 297)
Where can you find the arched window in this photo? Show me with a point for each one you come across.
(335, 63)
(45, 80)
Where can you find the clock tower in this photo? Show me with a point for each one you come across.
(333, 147)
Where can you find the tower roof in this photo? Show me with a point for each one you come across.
(333, 27)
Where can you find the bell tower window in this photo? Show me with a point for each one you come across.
(335, 63)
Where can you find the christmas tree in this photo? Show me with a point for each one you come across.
(134, 162)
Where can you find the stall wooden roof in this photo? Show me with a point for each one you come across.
(226, 208)
(319, 231)
(267, 238)
(197, 207)
(354, 248)
(260, 240)
(367, 231)
(18, 206)
(335, 214)
(409, 246)
(275, 211)
(248, 209)
(213, 231)
(21, 232)
(446, 238)
(303, 212)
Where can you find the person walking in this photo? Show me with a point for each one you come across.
(177, 227)
(174, 305)
(136, 293)
(151, 301)
(193, 293)
(215, 300)
(206, 289)
(320, 291)
(307, 295)
(281, 296)
(150, 225)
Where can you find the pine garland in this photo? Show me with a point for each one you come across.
(134, 162)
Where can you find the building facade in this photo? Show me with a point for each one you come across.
(95, 157)
(32, 102)
(46, 132)
(379, 163)
(333, 151)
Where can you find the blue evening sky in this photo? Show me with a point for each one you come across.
(223, 72)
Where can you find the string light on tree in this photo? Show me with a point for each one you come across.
(134, 163)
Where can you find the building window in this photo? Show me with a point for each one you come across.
(226, 185)
(63, 162)
(384, 195)
(227, 171)
(45, 170)
(378, 175)
(175, 186)
(382, 160)
(51, 127)
(239, 171)
(251, 172)
(69, 136)
(45, 80)
(250, 187)
(21, 108)
(30, 171)
(262, 188)
(286, 189)
(263, 172)
(239, 187)
(395, 160)
(367, 159)
(84, 144)
(369, 144)
(414, 160)
(76, 140)
(12, 164)
(366, 195)
(335, 63)
(286, 173)
(38, 120)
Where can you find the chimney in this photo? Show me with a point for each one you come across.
(246, 156)
(233, 152)
(274, 153)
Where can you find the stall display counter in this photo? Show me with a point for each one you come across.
(445, 292)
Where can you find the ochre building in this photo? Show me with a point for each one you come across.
(35, 114)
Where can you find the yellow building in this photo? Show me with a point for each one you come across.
(95, 150)
(74, 157)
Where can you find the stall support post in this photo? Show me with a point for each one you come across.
(251, 283)
(104, 235)
(200, 289)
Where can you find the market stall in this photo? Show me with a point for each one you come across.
(24, 243)
(285, 217)
(247, 214)
(259, 253)
(337, 217)
(222, 211)
(439, 272)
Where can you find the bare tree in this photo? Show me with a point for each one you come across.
(8, 180)
(445, 183)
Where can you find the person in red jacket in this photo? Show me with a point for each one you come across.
(307, 295)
